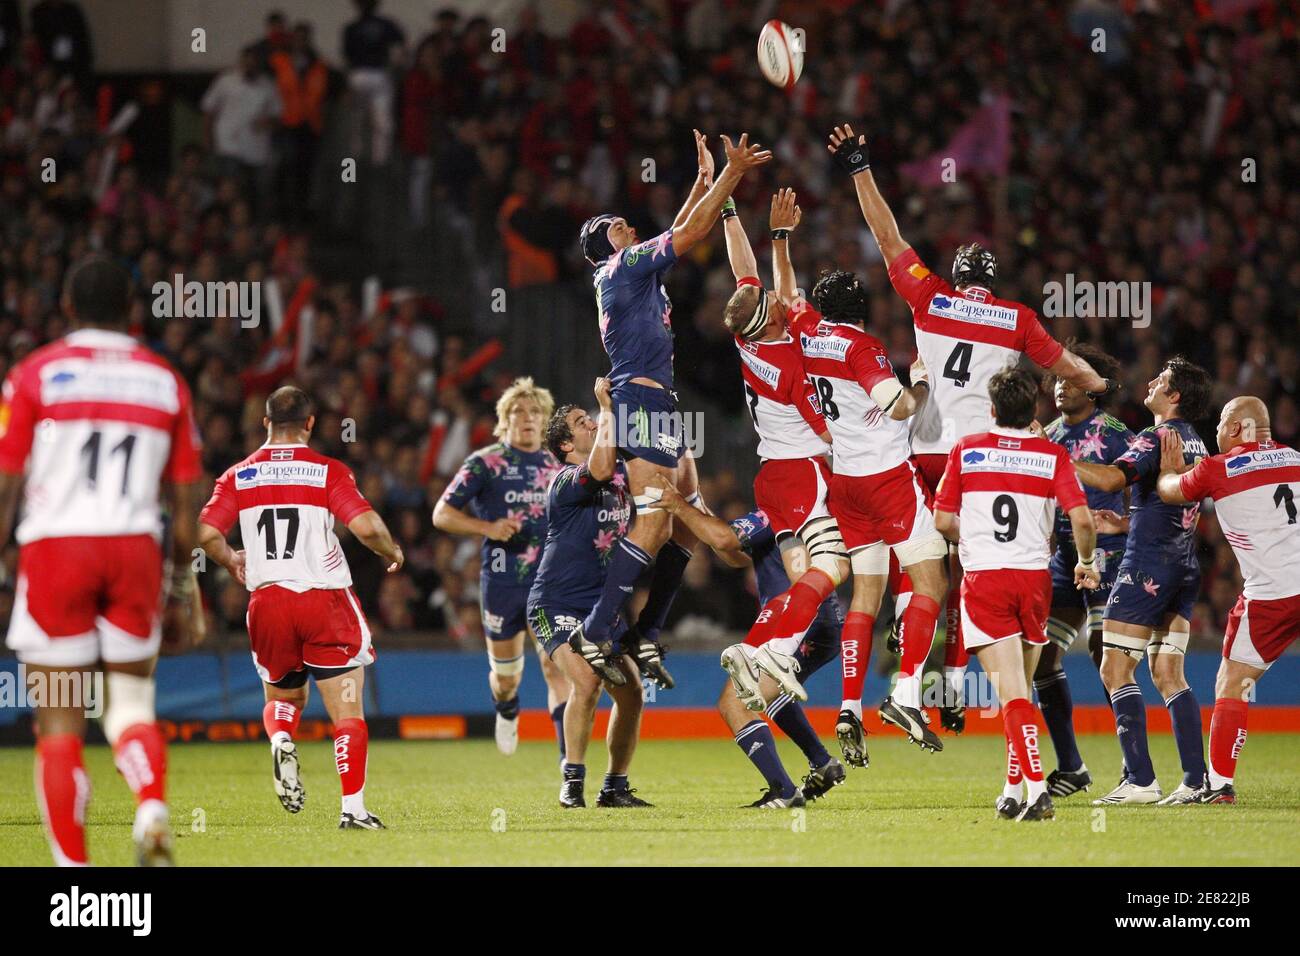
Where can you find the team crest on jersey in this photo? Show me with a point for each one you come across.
(1257, 460)
(283, 454)
(263, 473)
(977, 313)
(768, 372)
(1034, 464)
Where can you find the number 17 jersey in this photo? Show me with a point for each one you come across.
(286, 499)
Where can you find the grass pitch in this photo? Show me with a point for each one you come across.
(461, 803)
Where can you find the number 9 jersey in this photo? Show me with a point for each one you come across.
(286, 499)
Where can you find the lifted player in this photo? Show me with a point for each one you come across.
(964, 333)
(997, 499)
(1088, 434)
(1151, 602)
(500, 493)
(748, 540)
(1254, 483)
(636, 329)
(102, 430)
(303, 618)
(793, 478)
(589, 508)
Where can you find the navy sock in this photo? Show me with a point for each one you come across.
(1057, 705)
(1111, 705)
(670, 565)
(789, 716)
(1131, 728)
(621, 575)
(575, 771)
(756, 741)
(1185, 715)
(615, 781)
(557, 718)
(509, 709)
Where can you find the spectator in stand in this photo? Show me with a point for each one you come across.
(372, 46)
(302, 80)
(275, 40)
(240, 110)
(422, 103)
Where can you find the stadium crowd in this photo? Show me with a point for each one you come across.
(1106, 174)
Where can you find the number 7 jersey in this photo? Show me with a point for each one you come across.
(286, 499)
(964, 338)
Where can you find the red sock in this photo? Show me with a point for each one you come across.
(1227, 736)
(806, 596)
(280, 715)
(855, 652)
(350, 740)
(917, 633)
(1021, 726)
(1014, 776)
(63, 791)
(899, 582)
(764, 627)
(954, 650)
(141, 758)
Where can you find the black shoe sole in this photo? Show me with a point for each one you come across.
(933, 746)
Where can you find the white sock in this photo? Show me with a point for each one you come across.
(146, 814)
(852, 705)
(1036, 789)
(1216, 781)
(355, 804)
(786, 645)
(907, 691)
(1014, 791)
(279, 737)
(749, 650)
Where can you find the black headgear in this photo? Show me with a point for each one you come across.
(974, 265)
(841, 297)
(594, 238)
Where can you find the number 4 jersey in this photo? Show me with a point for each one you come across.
(99, 422)
(286, 499)
(964, 338)
(1004, 485)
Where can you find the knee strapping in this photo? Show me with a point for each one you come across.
(506, 666)
(130, 702)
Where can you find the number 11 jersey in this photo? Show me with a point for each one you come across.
(286, 499)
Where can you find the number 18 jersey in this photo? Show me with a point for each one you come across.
(964, 338)
(286, 499)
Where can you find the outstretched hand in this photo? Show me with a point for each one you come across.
(850, 151)
(743, 156)
(704, 157)
(786, 213)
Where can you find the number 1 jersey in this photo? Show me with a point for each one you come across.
(286, 499)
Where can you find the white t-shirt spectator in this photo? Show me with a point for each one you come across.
(237, 104)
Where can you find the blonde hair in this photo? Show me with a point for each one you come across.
(740, 308)
(522, 389)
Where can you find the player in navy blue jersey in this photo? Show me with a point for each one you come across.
(500, 493)
(636, 328)
(590, 508)
(1151, 601)
(1089, 434)
(747, 540)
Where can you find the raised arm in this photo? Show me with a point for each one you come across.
(785, 216)
(1081, 375)
(703, 178)
(740, 254)
(710, 529)
(741, 158)
(850, 153)
(604, 453)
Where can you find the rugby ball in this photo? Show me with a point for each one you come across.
(780, 53)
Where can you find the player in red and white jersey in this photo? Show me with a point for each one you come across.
(98, 431)
(793, 478)
(303, 618)
(1254, 482)
(997, 500)
(878, 501)
(964, 334)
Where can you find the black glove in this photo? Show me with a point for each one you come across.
(852, 156)
(1112, 386)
